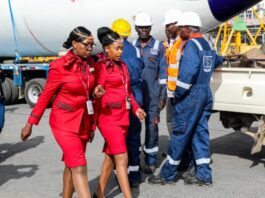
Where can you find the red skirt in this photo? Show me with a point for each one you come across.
(115, 138)
(73, 146)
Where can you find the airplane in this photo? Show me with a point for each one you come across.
(39, 27)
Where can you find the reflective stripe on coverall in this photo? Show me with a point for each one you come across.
(191, 109)
(154, 90)
(133, 141)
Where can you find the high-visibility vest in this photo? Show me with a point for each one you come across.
(173, 55)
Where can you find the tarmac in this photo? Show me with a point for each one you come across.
(33, 169)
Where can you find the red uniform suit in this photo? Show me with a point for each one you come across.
(70, 82)
(113, 117)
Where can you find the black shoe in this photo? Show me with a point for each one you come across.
(149, 169)
(134, 184)
(95, 195)
(189, 173)
(159, 180)
(164, 155)
(191, 180)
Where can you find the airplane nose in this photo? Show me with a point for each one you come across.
(223, 10)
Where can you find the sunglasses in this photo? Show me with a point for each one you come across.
(88, 45)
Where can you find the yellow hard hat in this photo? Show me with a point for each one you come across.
(122, 27)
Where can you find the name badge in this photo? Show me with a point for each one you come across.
(89, 107)
(128, 103)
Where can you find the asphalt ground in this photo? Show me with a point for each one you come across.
(33, 169)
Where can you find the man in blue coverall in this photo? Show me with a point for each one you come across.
(152, 53)
(134, 64)
(192, 106)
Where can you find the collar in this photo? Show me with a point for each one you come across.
(196, 35)
(72, 58)
(103, 58)
(149, 44)
(74, 61)
(173, 41)
(126, 42)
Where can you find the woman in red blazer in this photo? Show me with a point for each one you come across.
(70, 83)
(113, 109)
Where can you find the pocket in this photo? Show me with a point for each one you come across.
(179, 119)
(183, 111)
(190, 104)
(152, 63)
(156, 89)
(114, 105)
(152, 59)
(65, 106)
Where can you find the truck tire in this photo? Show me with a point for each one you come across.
(14, 91)
(7, 92)
(33, 90)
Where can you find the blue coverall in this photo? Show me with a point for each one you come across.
(135, 65)
(192, 109)
(154, 91)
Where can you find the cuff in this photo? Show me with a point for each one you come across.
(135, 108)
(34, 119)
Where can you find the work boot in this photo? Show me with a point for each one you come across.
(192, 179)
(159, 180)
(149, 169)
(190, 172)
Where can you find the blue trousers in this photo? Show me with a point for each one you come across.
(190, 125)
(151, 127)
(187, 157)
(134, 148)
(151, 136)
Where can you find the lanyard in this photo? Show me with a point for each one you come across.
(124, 82)
(86, 85)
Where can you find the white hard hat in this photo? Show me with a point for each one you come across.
(172, 16)
(190, 19)
(143, 19)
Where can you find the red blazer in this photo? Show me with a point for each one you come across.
(67, 83)
(112, 106)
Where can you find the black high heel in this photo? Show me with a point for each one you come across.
(95, 195)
